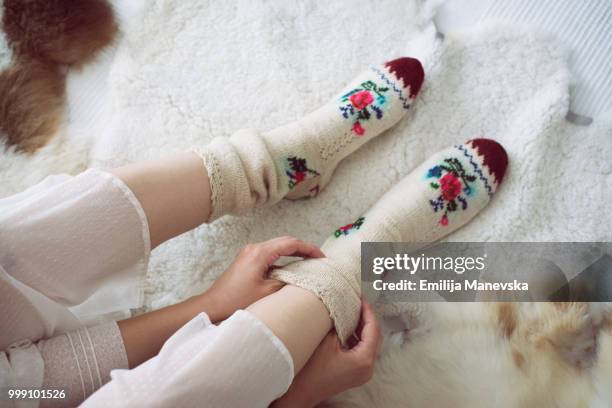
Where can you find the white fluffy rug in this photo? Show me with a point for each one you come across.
(191, 71)
(188, 71)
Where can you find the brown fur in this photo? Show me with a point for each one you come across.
(31, 104)
(59, 31)
(45, 35)
(566, 329)
(607, 323)
(522, 354)
(562, 305)
(507, 318)
(518, 358)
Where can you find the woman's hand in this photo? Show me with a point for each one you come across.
(333, 369)
(246, 280)
(243, 283)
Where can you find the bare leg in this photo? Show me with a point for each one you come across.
(174, 193)
(297, 317)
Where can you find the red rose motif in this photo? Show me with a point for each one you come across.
(358, 129)
(451, 186)
(444, 220)
(299, 176)
(346, 227)
(361, 99)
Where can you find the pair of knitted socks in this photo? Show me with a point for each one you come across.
(297, 160)
(250, 169)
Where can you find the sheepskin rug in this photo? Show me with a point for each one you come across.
(185, 72)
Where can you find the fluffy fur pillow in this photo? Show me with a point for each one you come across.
(46, 36)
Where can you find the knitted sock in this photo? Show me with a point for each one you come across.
(438, 197)
(297, 160)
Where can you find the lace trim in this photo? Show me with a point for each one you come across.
(216, 183)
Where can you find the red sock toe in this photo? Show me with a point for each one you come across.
(409, 71)
(494, 156)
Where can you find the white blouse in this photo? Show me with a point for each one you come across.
(74, 248)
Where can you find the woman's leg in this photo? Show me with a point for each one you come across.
(467, 174)
(297, 317)
(252, 168)
(95, 217)
(174, 193)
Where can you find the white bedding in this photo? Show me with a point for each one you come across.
(584, 27)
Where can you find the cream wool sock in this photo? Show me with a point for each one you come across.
(297, 160)
(435, 199)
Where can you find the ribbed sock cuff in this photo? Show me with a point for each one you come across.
(326, 279)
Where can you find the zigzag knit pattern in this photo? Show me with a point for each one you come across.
(400, 94)
(485, 181)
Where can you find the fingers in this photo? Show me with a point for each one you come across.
(362, 357)
(333, 340)
(370, 334)
(272, 285)
(289, 246)
(352, 341)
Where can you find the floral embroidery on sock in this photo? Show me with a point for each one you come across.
(297, 171)
(454, 185)
(362, 103)
(349, 227)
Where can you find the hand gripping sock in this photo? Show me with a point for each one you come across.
(435, 199)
